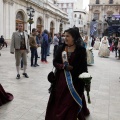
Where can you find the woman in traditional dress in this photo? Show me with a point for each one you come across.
(61, 104)
(104, 48)
(4, 96)
(90, 57)
(97, 44)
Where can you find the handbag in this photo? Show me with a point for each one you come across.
(51, 76)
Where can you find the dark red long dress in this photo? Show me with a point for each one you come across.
(61, 105)
(4, 96)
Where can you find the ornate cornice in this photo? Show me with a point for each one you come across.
(10, 2)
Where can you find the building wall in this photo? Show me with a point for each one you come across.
(102, 10)
(45, 10)
(69, 6)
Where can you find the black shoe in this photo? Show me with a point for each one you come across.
(38, 57)
(37, 65)
(18, 76)
(25, 74)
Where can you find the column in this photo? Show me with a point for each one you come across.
(1, 17)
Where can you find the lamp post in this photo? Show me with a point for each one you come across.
(30, 13)
(61, 26)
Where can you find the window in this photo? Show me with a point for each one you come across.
(96, 16)
(75, 16)
(110, 1)
(80, 16)
(79, 21)
(97, 2)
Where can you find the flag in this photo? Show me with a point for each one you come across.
(93, 27)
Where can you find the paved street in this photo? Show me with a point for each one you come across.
(31, 95)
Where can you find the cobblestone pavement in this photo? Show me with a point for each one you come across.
(31, 95)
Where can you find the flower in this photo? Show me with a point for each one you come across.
(84, 75)
(90, 48)
(86, 78)
(30, 21)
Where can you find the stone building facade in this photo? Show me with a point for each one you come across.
(100, 9)
(47, 16)
(74, 9)
(80, 18)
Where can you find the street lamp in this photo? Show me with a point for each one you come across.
(61, 26)
(30, 13)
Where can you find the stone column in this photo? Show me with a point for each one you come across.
(1, 17)
(7, 17)
(103, 13)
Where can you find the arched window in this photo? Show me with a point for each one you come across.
(80, 16)
(19, 19)
(20, 16)
(97, 2)
(96, 15)
(75, 16)
(39, 21)
(110, 1)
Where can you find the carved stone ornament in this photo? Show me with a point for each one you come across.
(11, 2)
(47, 16)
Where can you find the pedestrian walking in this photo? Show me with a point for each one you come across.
(104, 48)
(61, 104)
(33, 48)
(56, 44)
(119, 49)
(20, 46)
(44, 46)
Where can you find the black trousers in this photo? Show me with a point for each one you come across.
(119, 53)
(34, 54)
(55, 49)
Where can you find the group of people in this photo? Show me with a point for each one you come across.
(2, 42)
(62, 105)
(107, 44)
(115, 45)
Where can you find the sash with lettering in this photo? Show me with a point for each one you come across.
(70, 85)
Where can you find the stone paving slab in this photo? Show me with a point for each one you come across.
(31, 95)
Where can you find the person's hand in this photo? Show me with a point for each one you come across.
(12, 52)
(68, 67)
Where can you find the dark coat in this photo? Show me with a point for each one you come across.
(79, 63)
(61, 105)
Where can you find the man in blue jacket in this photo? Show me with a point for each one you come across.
(44, 46)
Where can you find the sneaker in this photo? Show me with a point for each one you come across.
(25, 75)
(18, 76)
(46, 61)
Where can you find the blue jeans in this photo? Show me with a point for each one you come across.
(44, 53)
(34, 54)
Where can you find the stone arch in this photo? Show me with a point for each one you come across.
(40, 24)
(20, 18)
(52, 27)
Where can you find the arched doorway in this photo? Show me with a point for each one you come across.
(52, 29)
(39, 25)
(61, 28)
(19, 19)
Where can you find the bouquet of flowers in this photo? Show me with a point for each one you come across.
(90, 48)
(86, 78)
